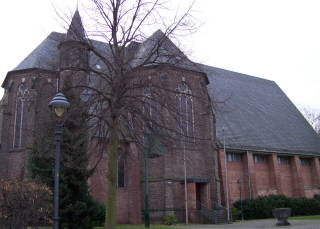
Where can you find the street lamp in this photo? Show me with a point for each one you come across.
(239, 183)
(59, 104)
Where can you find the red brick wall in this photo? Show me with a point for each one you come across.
(262, 171)
(262, 179)
(315, 171)
(128, 198)
(286, 179)
(12, 161)
(200, 158)
(306, 176)
(235, 172)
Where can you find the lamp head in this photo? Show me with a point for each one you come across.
(60, 104)
(239, 182)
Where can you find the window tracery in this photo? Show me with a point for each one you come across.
(185, 115)
(21, 116)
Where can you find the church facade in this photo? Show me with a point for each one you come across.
(250, 131)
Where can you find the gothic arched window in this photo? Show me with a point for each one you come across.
(21, 117)
(121, 171)
(150, 108)
(185, 119)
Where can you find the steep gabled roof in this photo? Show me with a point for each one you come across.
(45, 56)
(159, 49)
(255, 114)
(76, 31)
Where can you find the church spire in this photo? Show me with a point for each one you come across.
(76, 31)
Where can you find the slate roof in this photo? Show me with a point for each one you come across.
(159, 49)
(76, 31)
(251, 113)
(255, 114)
(45, 56)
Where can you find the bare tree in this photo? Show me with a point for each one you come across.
(125, 85)
(312, 116)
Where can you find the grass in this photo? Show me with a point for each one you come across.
(162, 226)
(312, 217)
(130, 226)
(141, 226)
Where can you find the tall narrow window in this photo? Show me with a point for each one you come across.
(185, 120)
(150, 108)
(120, 180)
(21, 117)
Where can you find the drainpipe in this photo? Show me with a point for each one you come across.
(226, 169)
(249, 176)
(185, 181)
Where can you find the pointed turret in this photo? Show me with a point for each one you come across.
(74, 53)
(76, 31)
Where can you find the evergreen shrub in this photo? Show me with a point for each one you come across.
(170, 220)
(261, 207)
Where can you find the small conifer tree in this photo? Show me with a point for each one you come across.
(77, 208)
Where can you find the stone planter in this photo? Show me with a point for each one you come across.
(282, 214)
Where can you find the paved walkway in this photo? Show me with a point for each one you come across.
(263, 223)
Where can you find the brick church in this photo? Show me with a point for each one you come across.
(247, 129)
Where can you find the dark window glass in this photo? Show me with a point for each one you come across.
(304, 161)
(120, 181)
(233, 157)
(260, 158)
(283, 160)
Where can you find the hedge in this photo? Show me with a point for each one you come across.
(261, 208)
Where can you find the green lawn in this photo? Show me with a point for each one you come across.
(312, 217)
(129, 226)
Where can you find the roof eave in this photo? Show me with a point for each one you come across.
(20, 71)
(272, 151)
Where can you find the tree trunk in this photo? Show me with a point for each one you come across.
(110, 222)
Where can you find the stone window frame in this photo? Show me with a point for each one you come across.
(185, 114)
(21, 116)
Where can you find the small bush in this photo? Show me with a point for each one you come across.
(236, 213)
(24, 204)
(170, 220)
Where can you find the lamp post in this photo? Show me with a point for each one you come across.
(147, 219)
(239, 183)
(59, 104)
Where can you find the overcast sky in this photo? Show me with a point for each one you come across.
(277, 40)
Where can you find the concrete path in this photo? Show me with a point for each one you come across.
(263, 223)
